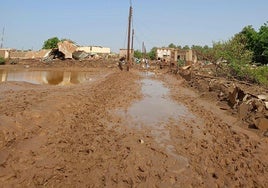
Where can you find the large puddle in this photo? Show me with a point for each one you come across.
(155, 111)
(45, 77)
(156, 106)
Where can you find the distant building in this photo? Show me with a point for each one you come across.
(4, 52)
(175, 54)
(123, 53)
(164, 53)
(95, 50)
(65, 47)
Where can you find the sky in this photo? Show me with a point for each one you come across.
(157, 23)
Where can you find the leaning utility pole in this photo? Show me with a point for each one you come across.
(2, 39)
(128, 42)
(143, 50)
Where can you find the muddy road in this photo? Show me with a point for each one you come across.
(123, 129)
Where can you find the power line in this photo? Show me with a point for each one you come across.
(125, 39)
(2, 39)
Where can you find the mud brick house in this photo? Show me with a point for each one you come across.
(123, 53)
(176, 54)
(95, 50)
(4, 52)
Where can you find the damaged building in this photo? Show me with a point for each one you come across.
(176, 54)
(123, 53)
(64, 50)
(67, 48)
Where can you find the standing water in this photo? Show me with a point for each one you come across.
(154, 111)
(45, 77)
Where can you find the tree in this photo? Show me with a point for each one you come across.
(262, 46)
(138, 54)
(171, 45)
(152, 53)
(257, 42)
(197, 47)
(51, 43)
(186, 47)
(240, 52)
(179, 47)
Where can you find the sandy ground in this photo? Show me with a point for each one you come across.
(83, 135)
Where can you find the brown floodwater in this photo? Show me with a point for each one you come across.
(45, 77)
(154, 110)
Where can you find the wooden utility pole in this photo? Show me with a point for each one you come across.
(128, 42)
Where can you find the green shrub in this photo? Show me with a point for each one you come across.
(249, 73)
(2, 61)
(260, 75)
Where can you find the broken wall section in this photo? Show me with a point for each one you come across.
(67, 48)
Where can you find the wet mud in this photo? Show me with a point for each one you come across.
(123, 129)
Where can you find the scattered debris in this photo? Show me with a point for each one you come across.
(233, 91)
(14, 61)
(141, 141)
(263, 97)
(186, 67)
(243, 110)
(53, 54)
(80, 55)
(186, 74)
(262, 124)
(121, 63)
(250, 105)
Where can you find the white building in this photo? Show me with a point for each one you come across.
(163, 53)
(175, 54)
(94, 49)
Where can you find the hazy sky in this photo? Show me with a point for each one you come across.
(28, 23)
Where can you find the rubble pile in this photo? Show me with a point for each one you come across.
(64, 50)
(249, 102)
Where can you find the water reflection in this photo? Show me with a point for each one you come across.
(154, 112)
(45, 77)
(156, 106)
